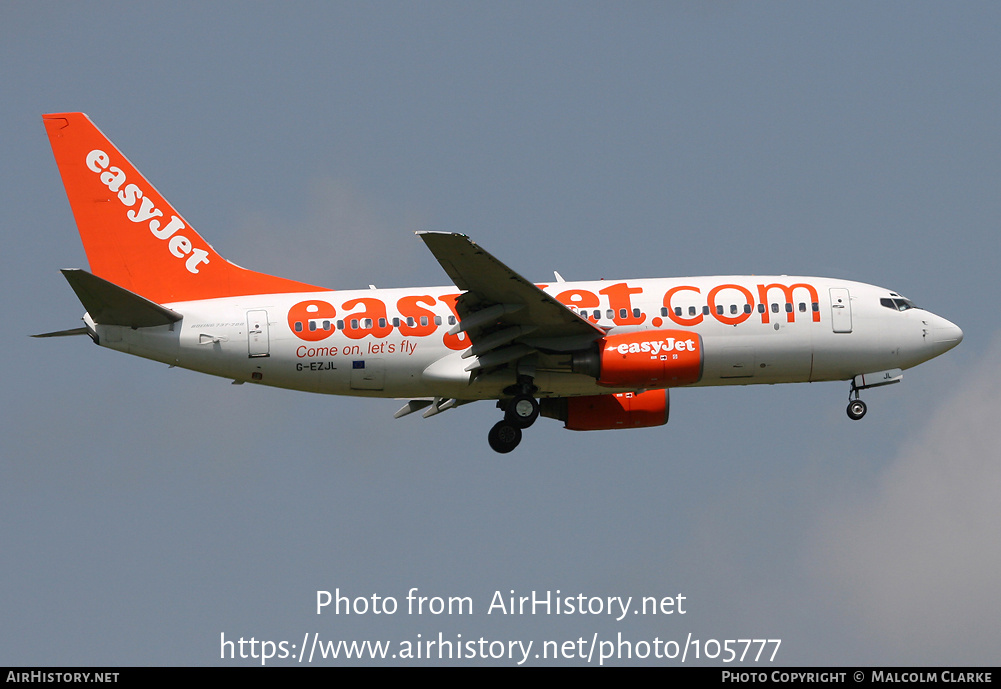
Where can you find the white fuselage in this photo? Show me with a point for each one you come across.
(396, 342)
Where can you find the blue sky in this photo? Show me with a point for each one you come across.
(146, 511)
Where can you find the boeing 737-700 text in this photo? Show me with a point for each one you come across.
(595, 355)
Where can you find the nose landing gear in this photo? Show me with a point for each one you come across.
(856, 407)
(864, 381)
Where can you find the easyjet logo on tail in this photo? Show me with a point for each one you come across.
(130, 194)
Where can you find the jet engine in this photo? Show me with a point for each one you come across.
(645, 359)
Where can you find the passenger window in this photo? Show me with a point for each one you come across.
(802, 307)
(340, 325)
(622, 313)
(747, 308)
(298, 326)
(368, 324)
(705, 310)
(636, 313)
(788, 307)
(396, 322)
(451, 320)
(775, 308)
(761, 308)
(437, 320)
(424, 320)
(609, 314)
(692, 310)
(326, 325)
(312, 325)
(411, 322)
(382, 322)
(677, 311)
(354, 323)
(719, 309)
(733, 309)
(816, 306)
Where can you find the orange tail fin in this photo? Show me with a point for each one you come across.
(132, 236)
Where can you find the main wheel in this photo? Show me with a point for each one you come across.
(856, 410)
(522, 410)
(504, 437)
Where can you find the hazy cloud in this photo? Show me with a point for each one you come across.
(919, 562)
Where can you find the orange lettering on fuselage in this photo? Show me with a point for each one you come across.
(423, 319)
(461, 340)
(688, 322)
(314, 319)
(787, 292)
(580, 299)
(620, 304)
(371, 322)
(715, 310)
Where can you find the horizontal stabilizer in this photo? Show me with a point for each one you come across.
(109, 304)
(63, 333)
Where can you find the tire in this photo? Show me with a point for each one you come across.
(522, 411)
(504, 437)
(856, 410)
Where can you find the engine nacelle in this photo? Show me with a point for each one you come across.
(644, 359)
(607, 412)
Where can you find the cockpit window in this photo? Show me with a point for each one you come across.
(897, 303)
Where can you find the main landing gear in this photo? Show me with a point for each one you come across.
(504, 436)
(520, 412)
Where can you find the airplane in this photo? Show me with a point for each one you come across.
(595, 355)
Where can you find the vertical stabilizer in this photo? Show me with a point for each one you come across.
(133, 237)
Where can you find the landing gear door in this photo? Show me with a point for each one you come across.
(257, 334)
(841, 310)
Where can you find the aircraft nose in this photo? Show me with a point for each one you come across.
(945, 335)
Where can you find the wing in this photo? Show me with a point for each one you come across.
(505, 316)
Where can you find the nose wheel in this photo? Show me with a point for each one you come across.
(856, 409)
